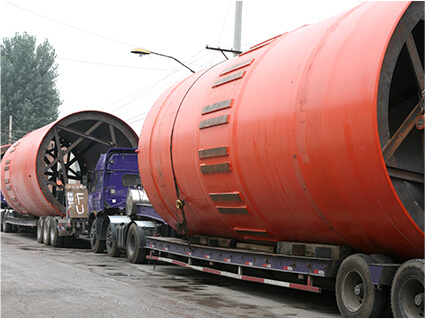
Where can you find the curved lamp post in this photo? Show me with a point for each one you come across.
(143, 52)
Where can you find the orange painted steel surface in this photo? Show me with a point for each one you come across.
(282, 143)
(32, 169)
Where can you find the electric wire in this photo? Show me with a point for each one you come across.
(139, 94)
(150, 89)
(148, 104)
(113, 65)
(212, 56)
(155, 87)
(224, 23)
(71, 26)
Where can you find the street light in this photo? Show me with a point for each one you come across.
(143, 52)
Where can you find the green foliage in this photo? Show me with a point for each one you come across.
(28, 88)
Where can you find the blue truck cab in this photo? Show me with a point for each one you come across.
(115, 172)
(120, 213)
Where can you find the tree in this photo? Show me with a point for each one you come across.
(28, 85)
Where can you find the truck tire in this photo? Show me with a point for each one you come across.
(407, 290)
(97, 245)
(55, 239)
(1, 220)
(46, 230)
(40, 226)
(7, 228)
(356, 296)
(136, 253)
(111, 245)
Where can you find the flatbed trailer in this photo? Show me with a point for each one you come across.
(241, 263)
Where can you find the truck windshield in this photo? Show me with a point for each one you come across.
(132, 180)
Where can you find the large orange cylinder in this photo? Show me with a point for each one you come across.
(36, 168)
(285, 142)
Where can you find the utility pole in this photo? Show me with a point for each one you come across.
(10, 129)
(238, 28)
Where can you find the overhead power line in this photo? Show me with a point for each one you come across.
(152, 87)
(224, 23)
(113, 65)
(71, 26)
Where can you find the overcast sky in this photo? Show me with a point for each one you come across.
(93, 40)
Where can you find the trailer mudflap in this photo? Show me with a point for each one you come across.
(64, 227)
(383, 274)
(68, 227)
(120, 224)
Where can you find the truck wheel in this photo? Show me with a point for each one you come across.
(111, 245)
(97, 245)
(356, 296)
(136, 254)
(1, 221)
(55, 239)
(40, 226)
(46, 230)
(7, 228)
(407, 291)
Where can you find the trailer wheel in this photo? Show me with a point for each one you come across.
(1, 221)
(46, 230)
(407, 291)
(111, 245)
(55, 239)
(97, 245)
(7, 228)
(136, 253)
(356, 296)
(40, 226)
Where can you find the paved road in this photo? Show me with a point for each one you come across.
(42, 281)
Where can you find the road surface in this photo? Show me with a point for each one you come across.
(42, 281)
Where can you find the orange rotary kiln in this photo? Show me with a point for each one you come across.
(36, 168)
(312, 136)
